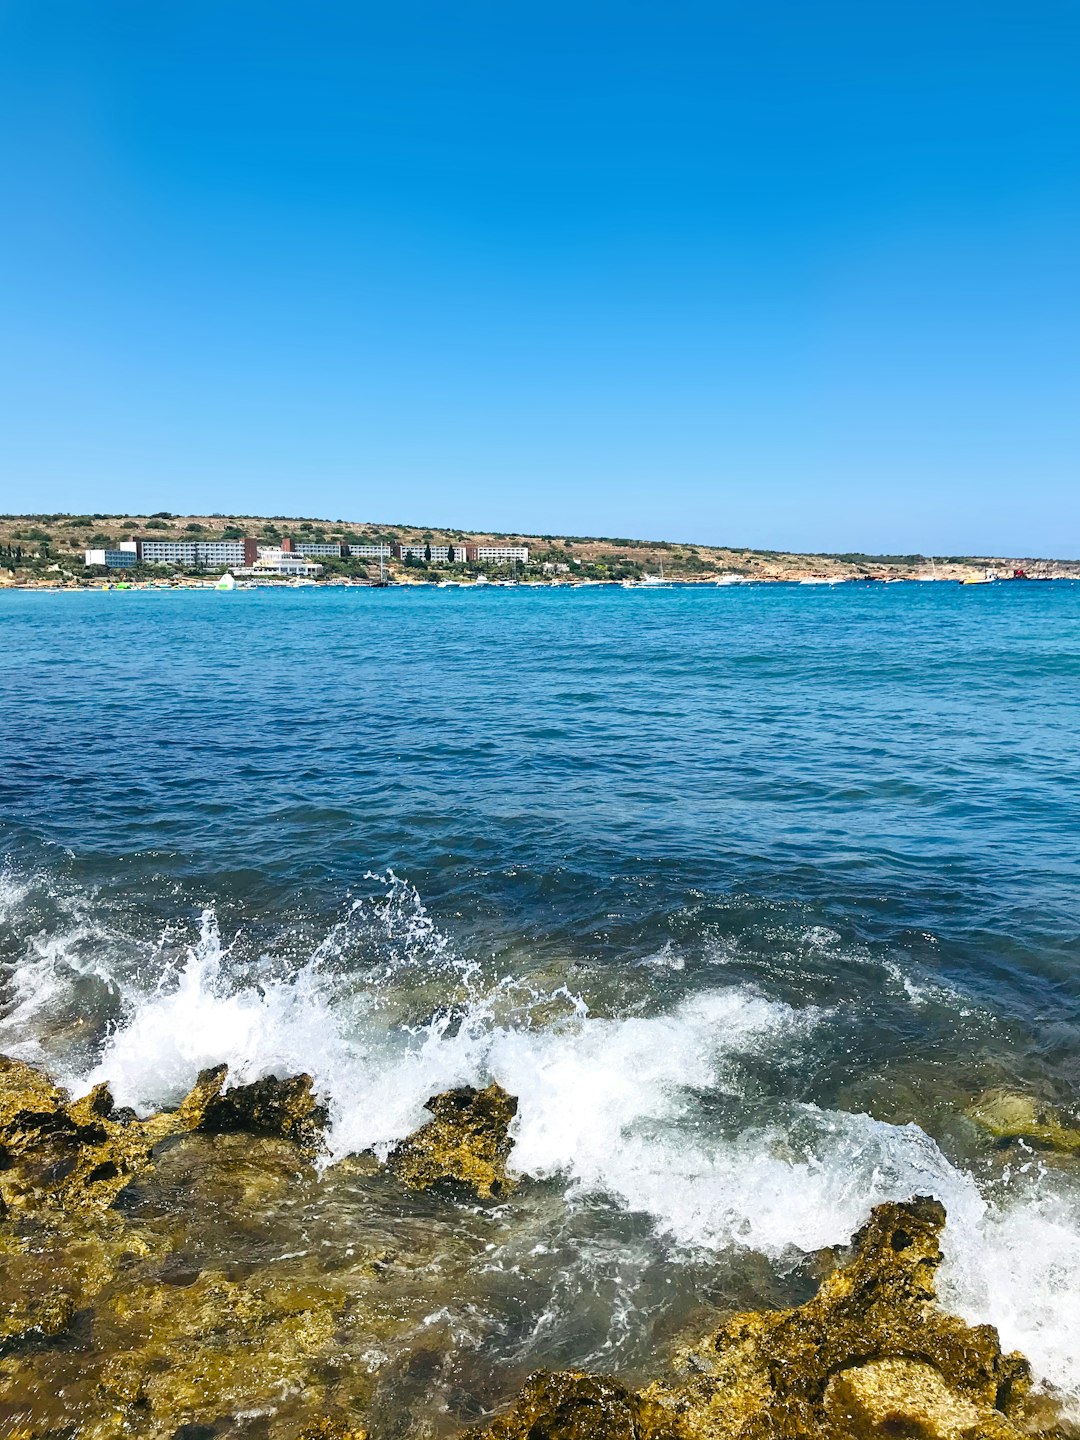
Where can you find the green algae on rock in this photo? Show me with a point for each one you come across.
(871, 1356)
(880, 1305)
(1010, 1116)
(569, 1405)
(269, 1107)
(79, 1155)
(466, 1145)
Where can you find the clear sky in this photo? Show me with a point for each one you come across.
(771, 273)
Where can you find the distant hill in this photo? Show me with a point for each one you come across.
(40, 542)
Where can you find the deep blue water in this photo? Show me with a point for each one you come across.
(861, 803)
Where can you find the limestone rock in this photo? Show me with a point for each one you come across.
(905, 1397)
(466, 1144)
(568, 1405)
(1008, 1116)
(331, 1427)
(79, 1155)
(768, 1373)
(871, 1356)
(286, 1108)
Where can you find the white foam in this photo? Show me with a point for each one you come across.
(1020, 1269)
(612, 1106)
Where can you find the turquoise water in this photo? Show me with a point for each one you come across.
(746, 892)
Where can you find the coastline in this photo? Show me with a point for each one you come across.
(102, 1287)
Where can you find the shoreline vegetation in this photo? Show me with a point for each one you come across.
(45, 551)
(112, 1327)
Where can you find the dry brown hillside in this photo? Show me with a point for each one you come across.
(38, 541)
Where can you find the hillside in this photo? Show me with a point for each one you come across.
(49, 547)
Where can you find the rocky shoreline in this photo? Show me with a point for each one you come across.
(111, 1325)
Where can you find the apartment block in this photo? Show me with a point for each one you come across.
(437, 554)
(211, 554)
(497, 554)
(113, 559)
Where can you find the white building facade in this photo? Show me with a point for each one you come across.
(498, 554)
(112, 559)
(437, 554)
(272, 561)
(213, 554)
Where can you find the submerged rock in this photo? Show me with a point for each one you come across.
(870, 1356)
(568, 1405)
(1008, 1116)
(466, 1144)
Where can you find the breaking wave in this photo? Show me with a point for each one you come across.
(383, 1014)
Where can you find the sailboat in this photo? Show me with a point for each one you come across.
(649, 582)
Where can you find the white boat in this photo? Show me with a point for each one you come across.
(649, 582)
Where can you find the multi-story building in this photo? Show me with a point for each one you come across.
(114, 559)
(497, 554)
(437, 554)
(337, 548)
(325, 548)
(209, 554)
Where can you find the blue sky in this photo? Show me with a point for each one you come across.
(772, 274)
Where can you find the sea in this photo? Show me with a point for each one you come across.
(746, 893)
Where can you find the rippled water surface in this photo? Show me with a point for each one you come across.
(746, 893)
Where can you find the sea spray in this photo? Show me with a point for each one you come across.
(617, 1109)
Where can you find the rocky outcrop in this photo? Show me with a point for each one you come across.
(216, 1290)
(871, 1356)
(569, 1405)
(284, 1108)
(1010, 1116)
(465, 1146)
(79, 1155)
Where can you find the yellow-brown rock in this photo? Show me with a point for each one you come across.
(465, 1146)
(79, 1155)
(1010, 1116)
(331, 1427)
(905, 1397)
(764, 1374)
(871, 1357)
(569, 1405)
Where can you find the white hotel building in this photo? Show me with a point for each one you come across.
(497, 554)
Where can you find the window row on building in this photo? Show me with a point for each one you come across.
(464, 554)
(338, 548)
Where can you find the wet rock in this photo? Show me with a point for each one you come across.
(770, 1373)
(285, 1108)
(79, 1155)
(1009, 1116)
(871, 1356)
(571, 1406)
(466, 1144)
(331, 1427)
(52, 1269)
(188, 1355)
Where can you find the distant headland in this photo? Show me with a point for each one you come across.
(69, 550)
